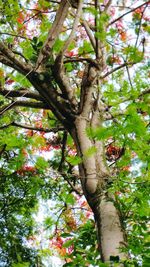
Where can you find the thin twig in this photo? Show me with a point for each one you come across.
(140, 24)
(72, 186)
(115, 69)
(29, 104)
(107, 5)
(89, 33)
(128, 12)
(29, 127)
(129, 77)
(15, 35)
(64, 143)
(74, 28)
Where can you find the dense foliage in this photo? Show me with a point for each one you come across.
(38, 157)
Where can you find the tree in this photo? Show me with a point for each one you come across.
(83, 65)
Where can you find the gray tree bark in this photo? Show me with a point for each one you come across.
(95, 178)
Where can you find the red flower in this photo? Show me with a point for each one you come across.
(25, 169)
(126, 168)
(114, 152)
(46, 148)
(57, 242)
(9, 81)
(30, 133)
(123, 35)
(71, 54)
(20, 18)
(24, 152)
(56, 147)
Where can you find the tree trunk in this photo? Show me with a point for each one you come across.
(94, 173)
(110, 233)
(95, 179)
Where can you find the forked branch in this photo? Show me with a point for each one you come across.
(58, 69)
(8, 57)
(53, 32)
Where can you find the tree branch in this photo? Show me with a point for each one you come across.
(19, 93)
(57, 104)
(29, 127)
(87, 89)
(15, 35)
(144, 92)
(71, 185)
(21, 55)
(139, 26)
(82, 59)
(97, 40)
(29, 104)
(53, 32)
(4, 60)
(128, 12)
(64, 143)
(74, 27)
(117, 68)
(16, 63)
(89, 33)
(107, 5)
(59, 71)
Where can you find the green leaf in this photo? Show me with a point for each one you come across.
(70, 199)
(64, 235)
(40, 44)
(68, 243)
(74, 160)
(86, 48)
(48, 222)
(102, 133)
(35, 40)
(23, 264)
(58, 45)
(41, 163)
(104, 265)
(134, 55)
(69, 67)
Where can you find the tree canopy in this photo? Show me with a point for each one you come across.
(74, 133)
